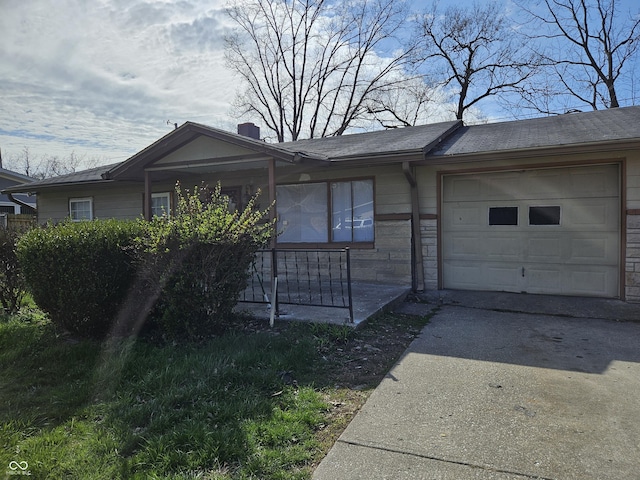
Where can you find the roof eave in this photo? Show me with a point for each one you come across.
(590, 147)
(15, 176)
(34, 189)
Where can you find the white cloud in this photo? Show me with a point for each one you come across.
(101, 78)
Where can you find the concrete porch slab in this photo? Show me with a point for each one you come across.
(368, 300)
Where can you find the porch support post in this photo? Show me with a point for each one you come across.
(272, 197)
(274, 253)
(417, 280)
(147, 195)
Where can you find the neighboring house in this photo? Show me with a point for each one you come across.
(18, 203)
(548, 205)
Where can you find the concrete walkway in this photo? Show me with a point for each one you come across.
(489, 392)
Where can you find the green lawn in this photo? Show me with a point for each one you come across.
(223, 409)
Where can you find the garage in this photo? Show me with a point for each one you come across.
(547, 231)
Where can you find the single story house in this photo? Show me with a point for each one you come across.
(546, 205)
(19, 203)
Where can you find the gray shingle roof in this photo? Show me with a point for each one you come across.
(382, 142)
(563, 130)
(11, 175)
(90, 175)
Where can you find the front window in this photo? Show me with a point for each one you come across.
(302, 213)
(326, 212)
(160, 204)
(80, 209)
(352, 205)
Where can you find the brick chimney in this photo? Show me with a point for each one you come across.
(249, 130)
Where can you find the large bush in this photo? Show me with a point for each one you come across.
(199, 259)
(12, 285)
(79, 273)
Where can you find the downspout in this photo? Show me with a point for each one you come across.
(19, 202)
(417, 280)
(147, 195)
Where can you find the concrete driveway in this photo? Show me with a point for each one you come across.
(485, 393)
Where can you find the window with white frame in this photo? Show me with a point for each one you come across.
(160, 204)
(81, 209)
(326, 212)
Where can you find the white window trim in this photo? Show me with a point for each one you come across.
(166, 195)
(79, 200)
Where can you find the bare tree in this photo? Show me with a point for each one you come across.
(312, 67)
(590, 46)
(47, 166)
(417, 104)
(473, 52)
(413, 107)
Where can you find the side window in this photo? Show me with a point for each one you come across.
(7, 209)
(160, 204)
(81, 209)
(503, 215)
(544, 215)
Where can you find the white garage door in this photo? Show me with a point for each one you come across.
(553, 231)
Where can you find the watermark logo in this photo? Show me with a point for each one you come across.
(18, 468)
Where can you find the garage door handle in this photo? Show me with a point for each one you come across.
(523, 271)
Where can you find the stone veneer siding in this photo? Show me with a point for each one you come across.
(632, 264)
(390, 260)
(429, 237)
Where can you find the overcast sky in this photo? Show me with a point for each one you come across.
(101, 78)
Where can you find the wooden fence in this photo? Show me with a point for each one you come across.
(17, 221)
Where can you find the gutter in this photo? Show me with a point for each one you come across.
(20, 202)
(531, 152)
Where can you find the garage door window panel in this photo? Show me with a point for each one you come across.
(503, 216)
(547, 215)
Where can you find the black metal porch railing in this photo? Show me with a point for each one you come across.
(315, 278)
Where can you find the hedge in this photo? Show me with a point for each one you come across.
(80, 273)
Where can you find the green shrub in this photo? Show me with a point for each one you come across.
(79, 273)
(12, 285)
(199, 261)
